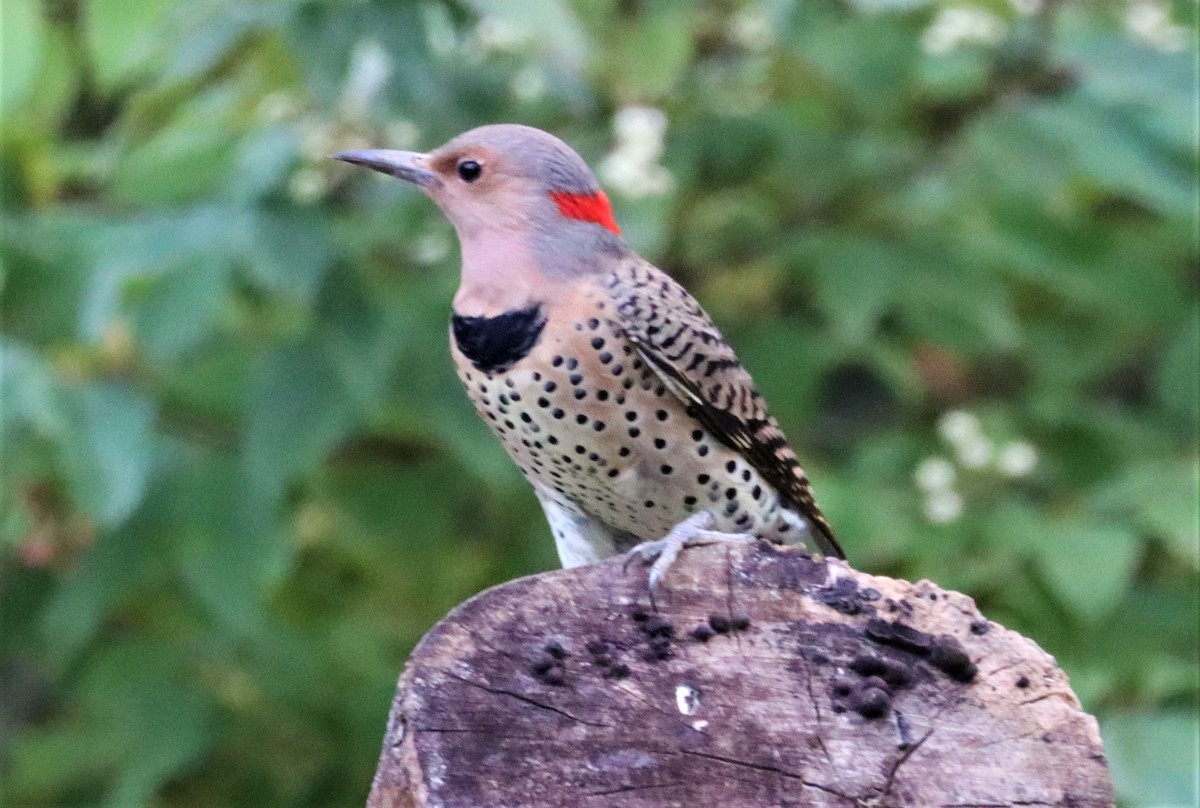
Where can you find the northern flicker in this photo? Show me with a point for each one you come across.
(605, 380)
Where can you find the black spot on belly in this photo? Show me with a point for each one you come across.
(495, 344)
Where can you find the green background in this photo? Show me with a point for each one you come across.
(240, 479)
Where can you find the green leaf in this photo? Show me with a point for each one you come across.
(127, 258)
(1109, 148)
(229, 542)
(1153, 757)
(215, 30)
(30, 394)
(947, 305)
(184, 161)
(119, 727)
(21, 44)
(856, 281)
(649, 53)
(874, 81)
(1089, 567)
(956, 76)
(109, 455)
(262, 163)
(290, 252)
(1160, 494)
(125, 37)
(114, 567)
(297, 409)
(1179, 374)
(1156, 86)
(177, 310)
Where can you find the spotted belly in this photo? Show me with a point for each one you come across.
(585, 418)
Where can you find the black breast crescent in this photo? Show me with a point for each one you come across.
(495, 344)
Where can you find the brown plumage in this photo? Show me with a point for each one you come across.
(604, 379)
(676, 337)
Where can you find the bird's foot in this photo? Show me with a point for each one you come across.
(694, 531)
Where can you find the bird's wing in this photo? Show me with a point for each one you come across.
(675, 337)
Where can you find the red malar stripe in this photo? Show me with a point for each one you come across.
(587, 208)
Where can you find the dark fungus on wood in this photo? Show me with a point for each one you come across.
(765, 678)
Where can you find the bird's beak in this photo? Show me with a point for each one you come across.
(403, 164)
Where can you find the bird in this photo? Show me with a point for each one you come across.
(608, 385)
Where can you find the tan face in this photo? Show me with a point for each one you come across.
(496, 180)
(474, 187)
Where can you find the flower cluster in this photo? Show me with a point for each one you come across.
(632, 168)
(973, 451)
(753, 28)
(528, 83)
(955, 26)
(1150, 21)
(495, 34)
(369, 70)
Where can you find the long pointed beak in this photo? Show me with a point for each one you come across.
(406, 165)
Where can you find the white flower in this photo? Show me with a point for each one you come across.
(1027, 8)
(496, 35)
(958, 426)
(942, 507)
(957, 25)
(632, 167)
(529, 84)
(934, 474)
(1017, 458)
(974, 452)
(306, 185)
(1150, 21)
(276, 107)
(317, 139)
(641, 130)
(634, 178)
(370, 67)
(752, 29)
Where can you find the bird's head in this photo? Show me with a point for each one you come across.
(501, 179)
(528, 212)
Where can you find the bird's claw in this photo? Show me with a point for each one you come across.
(694, 531)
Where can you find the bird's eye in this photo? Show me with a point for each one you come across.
(469, 170)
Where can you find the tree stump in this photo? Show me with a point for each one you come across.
(763, 678)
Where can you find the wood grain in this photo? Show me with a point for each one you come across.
(764, 678)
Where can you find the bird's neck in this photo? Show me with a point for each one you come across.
(505, 273)
(498, 275)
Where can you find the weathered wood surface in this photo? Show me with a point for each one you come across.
(819, 686)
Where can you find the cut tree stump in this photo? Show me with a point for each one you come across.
(764, 678)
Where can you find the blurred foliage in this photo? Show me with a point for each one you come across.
(955, 244)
